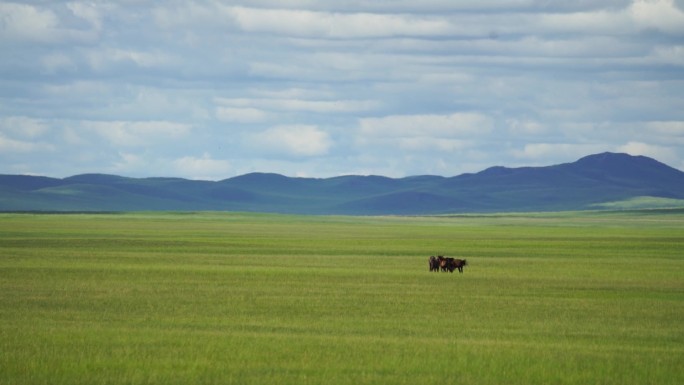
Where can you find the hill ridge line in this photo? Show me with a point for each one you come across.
(586, 184)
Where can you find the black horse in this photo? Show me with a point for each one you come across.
(433, 263)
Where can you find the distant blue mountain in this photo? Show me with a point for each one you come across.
(601, 180)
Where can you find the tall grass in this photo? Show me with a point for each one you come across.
(223, 298)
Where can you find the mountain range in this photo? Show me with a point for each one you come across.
(599, 181)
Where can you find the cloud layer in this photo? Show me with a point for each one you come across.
(214, 89)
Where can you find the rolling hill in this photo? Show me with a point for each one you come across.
(606, 180)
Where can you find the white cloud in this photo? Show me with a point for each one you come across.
(673, 129)
(301, 105)
(427, 144)
(336, 25)
(88, 12)
(28, 23)
(24, 126)
(21, 22)
(133, 134)
(241, 114)
(294, 93)
(557, 151)
(203, 168)
(662, 15)
(72, 136)
(146, 164)
(673, 55)
(189, 15)
(10, 145)
(525, 127)
(418, 143)
(79, 88)
(128, 162)
(293, 140)
(662, 153)
(101, 59)
(455, 125)
(587, 22)
(54, 62)
(323, 106)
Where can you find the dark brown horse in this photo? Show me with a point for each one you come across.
(459, 264)
(443, 263)
(446, 264)
(433, 263)
(450, 265)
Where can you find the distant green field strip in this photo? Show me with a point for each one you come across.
(641, 203)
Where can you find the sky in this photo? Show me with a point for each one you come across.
(214, 89)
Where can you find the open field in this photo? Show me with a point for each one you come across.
(229, 298)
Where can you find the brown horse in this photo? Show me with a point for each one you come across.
(443, 263)
(459, 264)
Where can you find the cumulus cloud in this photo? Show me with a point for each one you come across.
(295, 104)
(88, 12)
(429, 144)
(203, 168)
(22, 22)
(525, 127)
(11, 145)
(401, 145)
(661, 15)
(128, 162)
(557, 151)
(440, 126)
(294, 140)
(56, 62)
(587, 22)
(662, 153)
(28, 23)
(241, 114)
(134, 134)
(673, 129)
(101, 59)
(336, 25)
(23, 126)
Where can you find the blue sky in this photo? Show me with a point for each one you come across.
(214, 89)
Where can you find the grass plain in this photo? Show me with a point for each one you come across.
(232, 298)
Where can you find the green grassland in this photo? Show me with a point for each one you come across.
(231, 298)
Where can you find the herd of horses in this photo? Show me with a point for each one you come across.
(446, 264)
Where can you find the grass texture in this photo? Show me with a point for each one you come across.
(231, 298)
